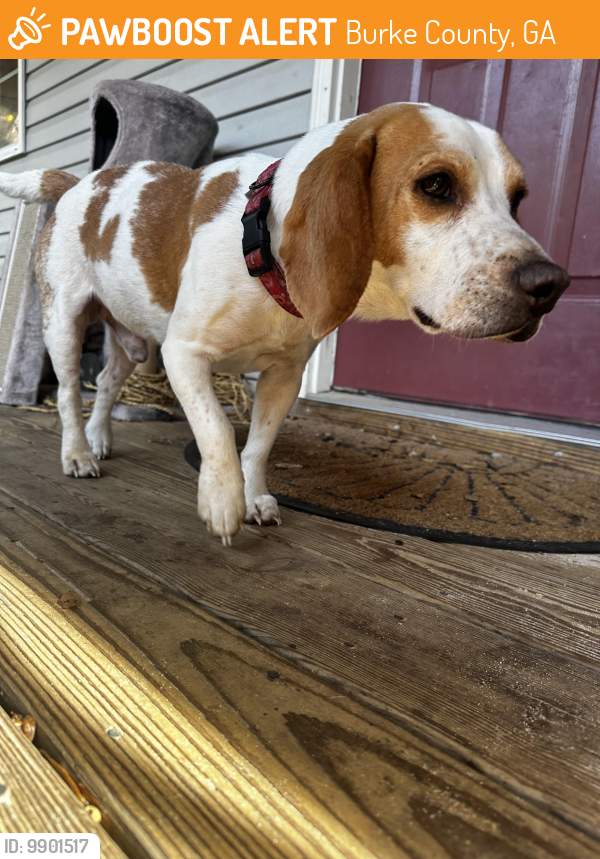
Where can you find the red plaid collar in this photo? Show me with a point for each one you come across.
(256, 243)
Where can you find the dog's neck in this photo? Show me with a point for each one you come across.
(381, 299)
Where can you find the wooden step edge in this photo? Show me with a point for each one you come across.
(170, 789)
(34, 798)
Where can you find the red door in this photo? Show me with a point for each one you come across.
(548, 112)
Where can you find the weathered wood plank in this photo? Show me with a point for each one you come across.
(543, 599)
(178, 789)
(546, 600)
(35, 798)
(392, 791)
(523, 714)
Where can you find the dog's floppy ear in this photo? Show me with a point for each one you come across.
(327, 246)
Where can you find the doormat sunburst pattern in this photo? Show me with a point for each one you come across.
(490, 489)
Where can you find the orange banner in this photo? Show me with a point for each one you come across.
(74, 29)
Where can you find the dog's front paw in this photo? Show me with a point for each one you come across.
(81, 464)
(263, 510)
(100, 439)
(221, 506)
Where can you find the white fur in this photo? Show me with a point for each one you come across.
(24, 185)
(225, 320)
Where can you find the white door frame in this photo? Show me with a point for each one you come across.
(335, 89)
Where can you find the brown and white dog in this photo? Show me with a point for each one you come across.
(408, 212)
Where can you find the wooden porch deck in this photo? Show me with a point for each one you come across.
(317, 690)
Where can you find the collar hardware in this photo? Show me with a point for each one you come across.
(256, 242)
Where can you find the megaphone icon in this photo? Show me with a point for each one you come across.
(26, 32)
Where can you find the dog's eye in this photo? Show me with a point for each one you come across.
(438, 185)
(516, 202)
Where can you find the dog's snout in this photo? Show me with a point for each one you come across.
(544, 281)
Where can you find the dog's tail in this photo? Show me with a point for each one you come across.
(37, 186)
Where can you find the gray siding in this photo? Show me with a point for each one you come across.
(260, 104)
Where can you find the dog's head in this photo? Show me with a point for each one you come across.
(426, 202)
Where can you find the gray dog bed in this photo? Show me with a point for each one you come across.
(135, 121)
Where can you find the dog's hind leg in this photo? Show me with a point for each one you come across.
(118, 368)
(64, 327)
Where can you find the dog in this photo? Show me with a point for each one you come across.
(407, 212)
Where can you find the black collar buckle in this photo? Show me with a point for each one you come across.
(257, 237)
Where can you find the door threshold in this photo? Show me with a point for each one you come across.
(515, 424)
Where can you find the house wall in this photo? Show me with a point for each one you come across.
(261, 105)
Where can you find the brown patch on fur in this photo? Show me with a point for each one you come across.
(408, 149)
(213, 198)
(169, 212)
(55, 183)
(41, 265)
(98, 244)
(346, 212)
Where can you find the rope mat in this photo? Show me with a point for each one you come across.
(154, 392)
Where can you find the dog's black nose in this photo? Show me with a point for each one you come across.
(544, 282)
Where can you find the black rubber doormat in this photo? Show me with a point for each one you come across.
(470, 486)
